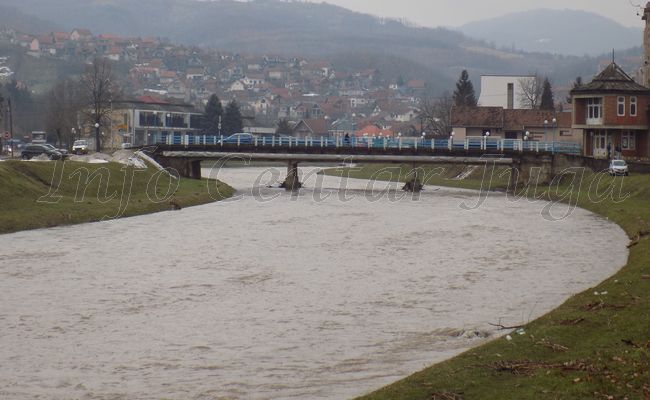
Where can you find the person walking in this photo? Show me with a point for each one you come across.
(609, 150)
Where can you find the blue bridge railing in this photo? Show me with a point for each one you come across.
(470, 143)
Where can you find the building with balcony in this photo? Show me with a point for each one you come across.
(611, 113)
(148, 119)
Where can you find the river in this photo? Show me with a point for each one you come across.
(326, 295)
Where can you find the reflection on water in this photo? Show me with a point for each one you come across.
(289, 298)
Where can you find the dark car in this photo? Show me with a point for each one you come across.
(62, 151)
(35, 150)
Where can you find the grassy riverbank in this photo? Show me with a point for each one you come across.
(25, 204)
(595, 346)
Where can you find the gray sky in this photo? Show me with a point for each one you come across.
(454, 13)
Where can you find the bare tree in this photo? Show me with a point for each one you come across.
(63, 106)
(531, 91)
(435, 114)
(98, 90)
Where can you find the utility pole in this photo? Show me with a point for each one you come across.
(11, 126)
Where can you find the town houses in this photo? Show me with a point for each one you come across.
(267, 88)
(606, 116)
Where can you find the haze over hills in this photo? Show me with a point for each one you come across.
(568, 32)
(11, 16)
(308, 30)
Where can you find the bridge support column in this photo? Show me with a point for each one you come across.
(182, 167)
(414, 183)
(292, 181)
(531, 170)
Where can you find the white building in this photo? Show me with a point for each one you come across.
(502, 91)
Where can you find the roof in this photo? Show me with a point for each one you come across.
(316, 126)
(506, 119)
(611, 80)
(484, 117)
(83, 31)
(520, 119)
(154, 104)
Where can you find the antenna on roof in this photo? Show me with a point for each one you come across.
(613, 56)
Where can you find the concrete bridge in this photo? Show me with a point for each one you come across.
(186, 157)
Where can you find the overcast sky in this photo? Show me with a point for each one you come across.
(454, 13)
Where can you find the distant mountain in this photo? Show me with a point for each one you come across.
(12, 17)
(567, 32)
(314, 30)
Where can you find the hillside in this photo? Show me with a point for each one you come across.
(568, 32)
(16, 19)
(310, 30)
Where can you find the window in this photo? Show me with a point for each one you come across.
(196, 122)
(633, 103)
(511, 96)
(149, 119)
(628, 141)
(621, 106)
(594, 110)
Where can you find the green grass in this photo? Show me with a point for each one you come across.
(24, 186)
(591, 347)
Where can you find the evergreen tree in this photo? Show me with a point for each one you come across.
(232, 119)
(548, 102)
(284, 128)
(212, 115)
(464, 94)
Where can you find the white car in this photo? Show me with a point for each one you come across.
(80, 147)
(618, 167)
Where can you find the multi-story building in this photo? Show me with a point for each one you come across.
(611, 112)
(148, 119)
(504, 91)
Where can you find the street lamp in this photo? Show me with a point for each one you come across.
(98, 146)
(545, 125)
(554, 128)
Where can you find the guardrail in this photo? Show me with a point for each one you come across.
(475, 143)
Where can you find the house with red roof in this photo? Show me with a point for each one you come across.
(81, 35)
(311, 128)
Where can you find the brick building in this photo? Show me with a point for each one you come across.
(611, 112)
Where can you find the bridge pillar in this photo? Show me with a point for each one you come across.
(531, 169)
(292, 181)
(182, 167)
(414, 183)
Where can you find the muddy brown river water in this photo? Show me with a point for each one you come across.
(281, 298)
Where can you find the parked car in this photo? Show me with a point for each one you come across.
(35, 150)
(239, 138)
(80, 147)
(618, 167)
(62, 151)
